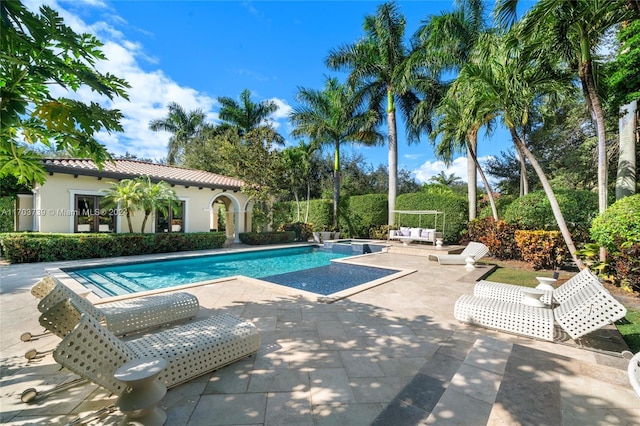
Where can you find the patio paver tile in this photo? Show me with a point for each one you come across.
(330, 385)
(236, 409)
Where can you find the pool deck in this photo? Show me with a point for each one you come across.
(390, 355)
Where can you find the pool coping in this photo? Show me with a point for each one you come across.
(77, 286)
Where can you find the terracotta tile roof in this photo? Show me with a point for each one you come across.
(128, 169)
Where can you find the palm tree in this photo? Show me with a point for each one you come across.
(574, 29)
(247, 115)
(460, 117)
(183, 125)
(509, 85)
(158, 197)
(334, 115)
(447, 42)
(126, 195)
(444, 179)
(378, 64)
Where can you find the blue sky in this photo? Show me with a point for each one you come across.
(192, 52)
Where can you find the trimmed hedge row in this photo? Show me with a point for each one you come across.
(361, 215)
(39, 247)
(365, 216)
(533, 211)
(257, 238)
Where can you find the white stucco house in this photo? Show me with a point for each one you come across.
(71, 200)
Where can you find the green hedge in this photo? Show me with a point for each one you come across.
(40, 247)
(360, 214)
(320, 213)
(257, 238)
(502, 203)
(533, 211)
(455, 208)
(6, 213)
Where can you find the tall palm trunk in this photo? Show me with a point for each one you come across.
(524, 179)
(555, 207)
(336, 183)
(306, 214)
(597, 115)
(485, 181)
(128, 214)
(626, 178)
(524, 176)
(472, 179)
(147, 213)
(393, 154)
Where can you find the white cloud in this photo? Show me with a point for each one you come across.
(458, 167)
(284, 109)
(149, 94)
(433, 168)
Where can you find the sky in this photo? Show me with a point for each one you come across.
(192, 52)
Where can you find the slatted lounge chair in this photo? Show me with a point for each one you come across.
(582, 313)
(634, 372)
(126, 316)
(515, 293)
(43, 287)
(190, 350)
(473, 249)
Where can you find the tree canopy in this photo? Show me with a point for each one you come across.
(37, 50)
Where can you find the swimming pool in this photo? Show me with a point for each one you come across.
(308, 268)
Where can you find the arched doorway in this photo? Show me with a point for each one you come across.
(224, 216)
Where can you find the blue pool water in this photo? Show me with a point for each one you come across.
(307, 268)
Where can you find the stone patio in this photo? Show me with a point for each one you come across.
(391, 355)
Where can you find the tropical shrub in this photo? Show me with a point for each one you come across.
(498, 236)
(618, 224)
(533, 211)
(41, 247)
(303, 231)
(618, 230)
(625, 267)
(541, 249)
(257, 238)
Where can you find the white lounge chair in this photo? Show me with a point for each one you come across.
(190, 350)
(121, 317)
(474, 250)
(586, 311)
(516, 293)
(634, 372)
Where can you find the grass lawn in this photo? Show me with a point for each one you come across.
(521, 274)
